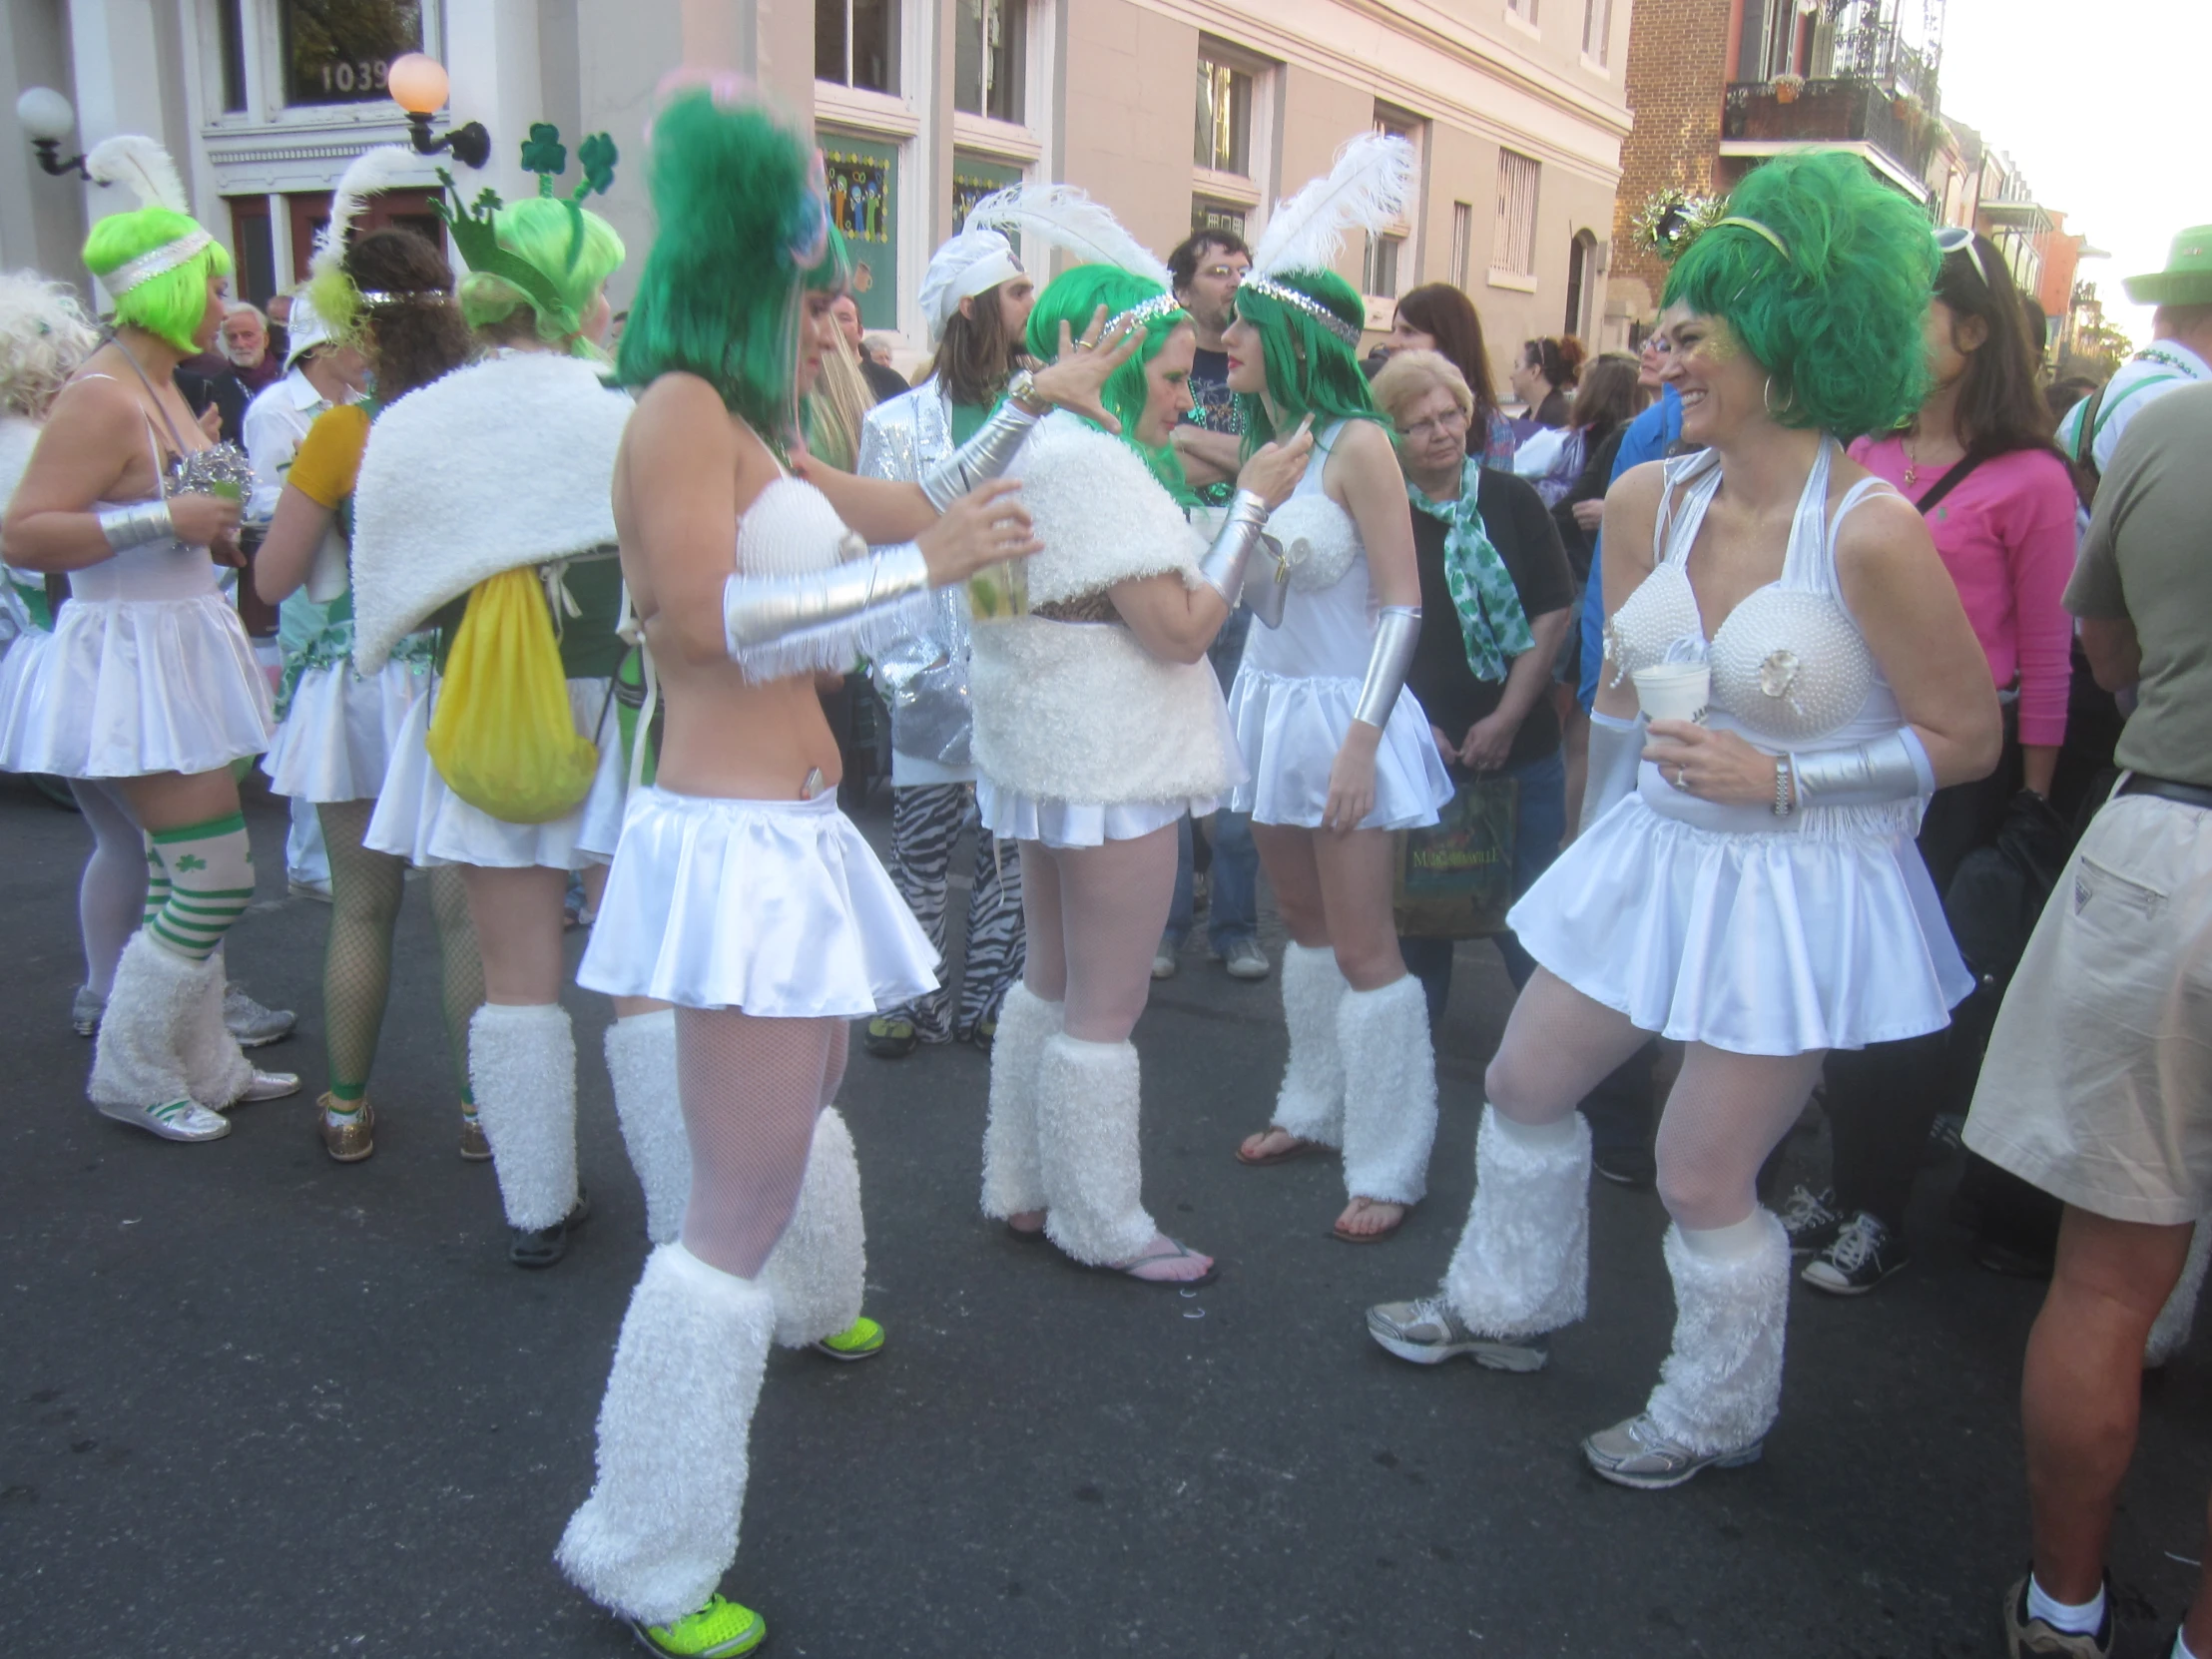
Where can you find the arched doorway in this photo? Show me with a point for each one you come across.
(1582, 274)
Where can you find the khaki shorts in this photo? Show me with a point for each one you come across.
(2097, 1087)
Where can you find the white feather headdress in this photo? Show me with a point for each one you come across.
(1065, 216)
(371, 171)
(143, 167)
(1369, 187)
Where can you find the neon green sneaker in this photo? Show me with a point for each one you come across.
(718, 1630)
(862, 1340)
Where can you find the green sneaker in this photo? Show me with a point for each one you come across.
(890, 1039)
(718, 1630)
(862, 1340)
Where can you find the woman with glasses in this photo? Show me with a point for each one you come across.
(1438, 317)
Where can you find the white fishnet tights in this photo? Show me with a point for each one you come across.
(111, 895)
(1094, 916)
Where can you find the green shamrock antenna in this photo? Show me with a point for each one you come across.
(545, 154)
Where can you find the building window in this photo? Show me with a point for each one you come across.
(231, 25)
(990, 45)
(1597, 27)
(337, 51)
(856, 44)
(1525, 10)
(1224, 116)
(1216, 216)
(250, 234)
(862, 179)
(1379, 276)
(1462, 242)
(1389, 251)
(975, 177)
(1513, 246)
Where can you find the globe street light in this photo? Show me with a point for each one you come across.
(46, 115)
(418, 85)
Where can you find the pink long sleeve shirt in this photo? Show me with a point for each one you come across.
(2007, 536)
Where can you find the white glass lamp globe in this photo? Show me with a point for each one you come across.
(417, 83)
(45, 114)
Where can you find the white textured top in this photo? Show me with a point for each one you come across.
(790, 530)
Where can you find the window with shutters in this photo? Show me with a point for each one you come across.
(1513, 246)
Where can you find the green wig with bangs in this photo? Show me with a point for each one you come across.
(1310, 369)
(171, 305)
(541, 231)
(1834, 313)
(1073, 298)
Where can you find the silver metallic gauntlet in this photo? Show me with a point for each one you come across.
(1891, 768)
(136, 525)
(983, 457)
(1396, 631)
(1240, 532)
(760, 610)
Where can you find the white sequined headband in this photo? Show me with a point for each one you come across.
(1150, 311)
(1304, 303)
(155, 261)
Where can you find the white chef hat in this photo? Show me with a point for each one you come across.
(972, 263)
(303, 330)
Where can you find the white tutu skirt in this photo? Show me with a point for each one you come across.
(425, 822)
(125, 687)
(1012, 816)
(1289, 728)
(336, 740)
(775, 907)
(18, 668)
(1778, 943)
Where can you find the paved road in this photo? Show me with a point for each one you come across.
(254, 1403)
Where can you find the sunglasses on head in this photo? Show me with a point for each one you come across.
(1953, 239)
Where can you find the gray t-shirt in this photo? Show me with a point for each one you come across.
(2148, 558)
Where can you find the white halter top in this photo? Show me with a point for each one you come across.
(791, 530)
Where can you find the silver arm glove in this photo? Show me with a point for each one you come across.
(1395, 630)
(136, 525)
(1616, 751)
(1891, 768)
(983, 457)
(1240, 532)
(758, 611)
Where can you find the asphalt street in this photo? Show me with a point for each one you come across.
(255, 1404)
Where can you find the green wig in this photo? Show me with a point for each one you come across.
(1073, 298)
(1310, 369)
(1833, 312)
(541, 232)
(168, 305)
(742, 222)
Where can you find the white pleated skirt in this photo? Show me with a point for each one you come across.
(775, 907)
(1289, 728)
(336, 740)
(1012, 816)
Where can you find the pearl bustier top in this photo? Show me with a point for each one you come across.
(790, 529)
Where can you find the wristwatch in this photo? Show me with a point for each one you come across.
(1022, 389)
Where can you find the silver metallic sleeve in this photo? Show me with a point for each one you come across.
(983, 457)
(136, 525)
(1225, 561)
(758, 611)
(1891, 768)
(1616, 751)
(1395, 630)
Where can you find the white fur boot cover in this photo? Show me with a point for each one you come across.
(139, 1059)
(1087, 1095)
(661, 1526)
(817, 1272)
(522, 1070)
(1389, 1091)
(2170, 1334)
(1311, 1103)
(215, 1065)
(640, 1058)
(1013, 1184)
(1721, 1384)
(1523, 1263)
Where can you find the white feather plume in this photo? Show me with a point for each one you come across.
(1369, 187)
(136, 161)
(1065, 216)
(371, 171)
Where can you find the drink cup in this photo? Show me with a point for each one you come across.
(999, 592)
(1674, 691)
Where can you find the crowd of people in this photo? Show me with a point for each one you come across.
(1780, 638)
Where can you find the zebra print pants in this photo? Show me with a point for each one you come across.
(927, 820)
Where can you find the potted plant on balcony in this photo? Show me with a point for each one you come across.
(1787, 85)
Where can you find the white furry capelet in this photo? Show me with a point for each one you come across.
(507, 463)
(1102, 516)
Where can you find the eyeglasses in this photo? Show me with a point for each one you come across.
(1953, 238)
(1221, 273)
(1452, 420)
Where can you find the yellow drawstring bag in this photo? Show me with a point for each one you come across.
(501, 734)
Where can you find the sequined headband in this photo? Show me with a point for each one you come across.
(155, 261)
(402, 296)
(1304, 303)
(1150, 311)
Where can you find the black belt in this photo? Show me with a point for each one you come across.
(2166, 788)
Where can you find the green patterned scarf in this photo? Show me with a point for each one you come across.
(1490, 615)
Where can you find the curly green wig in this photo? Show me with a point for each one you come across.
(741, 220)
(541, 231)
(1310, 369)
(1073, 298)
(1836, 318)
(171, 305)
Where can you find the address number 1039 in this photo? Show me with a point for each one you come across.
(364, 75)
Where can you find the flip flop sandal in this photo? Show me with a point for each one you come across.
(1182, 1253)
(1299, 1148)
(1346, 1235)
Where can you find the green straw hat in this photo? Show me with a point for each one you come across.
(2187, 278)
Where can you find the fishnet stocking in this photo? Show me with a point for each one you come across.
(1094, 916)
(751, 1089)
(110, 895)
(1558, 1046)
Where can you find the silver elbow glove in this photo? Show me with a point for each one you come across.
(1616, 751)
(1396, 631)
(983, 457)
(760, 610)
(1891, 768)
(1240, 532)
(136, 525)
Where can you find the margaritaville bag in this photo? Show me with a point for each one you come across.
(1455, 879)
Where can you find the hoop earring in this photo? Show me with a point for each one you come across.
(1767, 397)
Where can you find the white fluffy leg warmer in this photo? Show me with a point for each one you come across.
(817, 1272)
(640, 1058)
(1389, 1084)
(522, 1070)
(1721, 1384)
(2170, 1334)
(215, 1065)
(140, 1058)
(661, 1526)
(1311, 1103)
(1523, 1263)
(1087, 1096)
(1013, 1182)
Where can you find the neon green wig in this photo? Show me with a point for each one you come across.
(1834, 313)
(1310, 369)
(169, 306)
(541, 231)
(1073, 298)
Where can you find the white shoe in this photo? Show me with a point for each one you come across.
(1163, 961)
(1245, 961)
(179, 1120)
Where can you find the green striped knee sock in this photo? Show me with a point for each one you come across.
(210, 874)
(157, 883)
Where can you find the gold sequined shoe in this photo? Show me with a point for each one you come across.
(474, 1147)
(347, 1136)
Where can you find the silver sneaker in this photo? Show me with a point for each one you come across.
(250, 1023)
(1245, 961)
(1164, 959)
(1637, 1454)
(177, 1120)
(1428, 1332)
(85, 1012)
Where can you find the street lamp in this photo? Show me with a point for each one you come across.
(418, 85)
(46, 115)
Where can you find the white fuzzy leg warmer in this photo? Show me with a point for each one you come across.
(522, 1070)
(2169, 1335)
(661, 1526)
(817, 1272)
(1721, 1384)
(640, 1058)
(1389, 1084)
(1523, 1262)
(140, 1058)
(1311, 1102)
(1087, 1095)
(215, 1065)
(1013, 1184)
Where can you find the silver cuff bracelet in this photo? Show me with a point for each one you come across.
(1225, 561)
(983, 457)
(1396, 629)
(758, 610)
(1891, 768)
(136, 525)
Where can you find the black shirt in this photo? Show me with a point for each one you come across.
(883, 381)
(1521, 530)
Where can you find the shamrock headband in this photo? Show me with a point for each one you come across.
(476, 234)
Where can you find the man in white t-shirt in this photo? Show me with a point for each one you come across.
(2179, 355)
